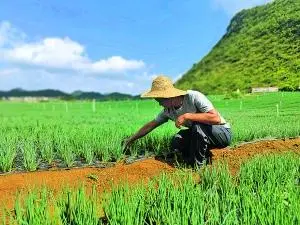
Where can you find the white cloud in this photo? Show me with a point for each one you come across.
(130, 84)
(115, 63)
(37, 79)
(57, 53)
(9, 71)
(64, 64)
(9, 35)
(233, 6)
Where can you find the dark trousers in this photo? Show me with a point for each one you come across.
(194, 143)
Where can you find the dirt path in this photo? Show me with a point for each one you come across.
(133, 173)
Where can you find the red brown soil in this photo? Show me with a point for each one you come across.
(235, 156)
(132, 173)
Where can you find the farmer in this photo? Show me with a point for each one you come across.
(206, 127)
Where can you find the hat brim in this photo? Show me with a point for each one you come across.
(174, 92)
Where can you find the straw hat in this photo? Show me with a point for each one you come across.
(162, 87)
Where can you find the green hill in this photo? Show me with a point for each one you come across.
(261, 48)
(76, 95)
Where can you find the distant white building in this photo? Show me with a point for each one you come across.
(27, 99)
(264, 89)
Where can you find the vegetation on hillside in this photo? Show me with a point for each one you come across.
(261, 48)
(76, 95)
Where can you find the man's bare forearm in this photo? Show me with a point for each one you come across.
(208, 118)
(144, 130)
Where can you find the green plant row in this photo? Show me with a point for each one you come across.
(39, 135)
(266, 191)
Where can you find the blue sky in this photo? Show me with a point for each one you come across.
(106, 46)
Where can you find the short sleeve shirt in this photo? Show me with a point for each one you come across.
(193, 102)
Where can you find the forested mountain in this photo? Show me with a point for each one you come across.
(261, 48)
(18, 92)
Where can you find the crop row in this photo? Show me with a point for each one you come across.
(40, 135)
(40, 151)
(266, 191)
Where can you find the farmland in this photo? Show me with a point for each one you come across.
(67, 134)
(53, 135)
(266, 191)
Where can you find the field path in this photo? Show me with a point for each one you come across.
(144, 170)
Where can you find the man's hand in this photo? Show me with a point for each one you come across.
(180, 120)
(126, 143)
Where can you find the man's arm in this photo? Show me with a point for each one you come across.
(148, 127)
(211, 117)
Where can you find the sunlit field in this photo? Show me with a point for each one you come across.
(266, 191)
(38, 135)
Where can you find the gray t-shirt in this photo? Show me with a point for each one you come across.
(193, 102)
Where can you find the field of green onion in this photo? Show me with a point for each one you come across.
(79, 133)
(266, 191)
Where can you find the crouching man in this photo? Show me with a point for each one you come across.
(206, 127)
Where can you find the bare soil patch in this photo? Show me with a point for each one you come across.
(235, 156)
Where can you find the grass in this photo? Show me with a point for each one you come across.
(265, 191)
(32, 134)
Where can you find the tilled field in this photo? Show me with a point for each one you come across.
(142, 170)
